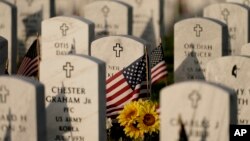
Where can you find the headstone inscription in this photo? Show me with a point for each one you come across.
(107, 17)
(233, 71)
(117, 52)
(245, 50)
(197, 40)
(3, 54)
(66, 35)
(196, 110)
(30, 14)
(8, 29)
(22, 109)
(238, 29)
(147, 19)
(74, 98)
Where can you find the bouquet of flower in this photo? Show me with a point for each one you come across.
(139, 119)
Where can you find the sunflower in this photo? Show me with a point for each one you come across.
(149, 119)
(132, 131)
(129, 114)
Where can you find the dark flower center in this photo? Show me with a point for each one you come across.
(149, 120)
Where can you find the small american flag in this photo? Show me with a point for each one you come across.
(158, 65)
(30, 64)
(125, 86)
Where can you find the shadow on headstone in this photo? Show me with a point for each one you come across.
(61, 116)
(204, 131)
(183, 134)
(7, 136)
(189, 68)
(105, 32)
(149, 32)
(73, 47)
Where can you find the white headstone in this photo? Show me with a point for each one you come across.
(8, 29)
(147, 19)
(237, 19)
(22, 109)
(30, 14)
(233, 71)
(66, 35)
(75, 98)
(245, 50)
(244, 2)
(107, 17)
(3, 54)
(204, 109)
(196, 41)
(117, 52)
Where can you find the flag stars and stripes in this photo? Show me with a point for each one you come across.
(125, 86)
(159, 68)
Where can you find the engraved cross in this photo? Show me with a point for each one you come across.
(118, 49)
(225, 13)
(68, 68)
(4, 92)
(198, 29)
(105, 11)
(194, 97)
(64, 29)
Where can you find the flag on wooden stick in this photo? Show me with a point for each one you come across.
(125, 86)
(30, 63)
(158, 64)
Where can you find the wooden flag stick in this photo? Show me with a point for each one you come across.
(7, 65)
(147, 71)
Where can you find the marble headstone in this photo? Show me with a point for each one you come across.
(237, 19)
(197, 40)
(66, 35)
(8, 29)
(30, 14)
(74, 98)
(117, 52)
(107, 17)
(3, 54)
(245, 50)
(233, 71)
(203, 108)
(147, 19)
(244, 2)
(22, 109)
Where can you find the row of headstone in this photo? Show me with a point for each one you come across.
(75, 106)
(106, 19)
(141, 18)
(200, 44)
(199, 40)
